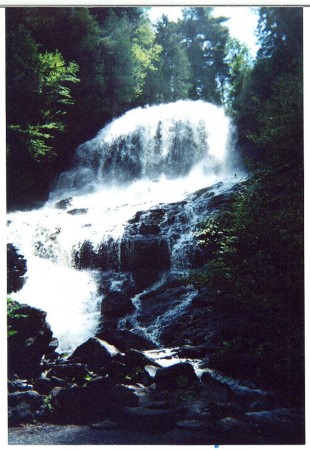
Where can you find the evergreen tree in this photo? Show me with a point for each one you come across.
(205, 37)
(171, 80)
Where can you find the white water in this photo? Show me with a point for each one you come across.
(148, 156)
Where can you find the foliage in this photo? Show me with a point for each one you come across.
(239, 68)
(257, 267)
(12, 307)
(171, 81)
(71, 70)
(49, 93)
(270, 114)
(205, 38)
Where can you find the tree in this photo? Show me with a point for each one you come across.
(239, 68)
(38, 95)
(271, 106)
(205, 38)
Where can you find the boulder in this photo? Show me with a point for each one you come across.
(125, 340)
(116, 304)
(81, 404)
(124, 395)
(25, 407)
(95, 353)
(71, 372)
(64, 203)
(19, 385)
(45, 385)
(216, 390)
(33, 338)
(135, 358)
(148, 375)
(77, 211)
(178, 376)
(16, 269)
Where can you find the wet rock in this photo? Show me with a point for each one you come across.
(116, 304)
(105, 257)
(150, 420)
(135, 358)
(95, 353)
(178, 376)
(148, 375)
(19, 385)
(149, 228)
(156, 305)
(32, 340)
(16, 269)
(25, 407)
(77, 211)
(64, 203)
(144, 252)
(125, 340)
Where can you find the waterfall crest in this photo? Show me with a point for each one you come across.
(168, 140)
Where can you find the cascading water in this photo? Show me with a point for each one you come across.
(147, 157)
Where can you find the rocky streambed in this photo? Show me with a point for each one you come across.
(112, 395)
(155, 371)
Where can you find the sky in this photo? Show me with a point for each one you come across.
(242, 21)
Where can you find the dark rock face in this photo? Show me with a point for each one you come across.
(16, 269)
(141, 252)
(150, 236)
(116, 304)
(180, 375)
(32, 340)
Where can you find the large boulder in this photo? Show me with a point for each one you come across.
(125, 395)
(25, 407)
(30, 338)
(82, 404)
(177, 376)
(125, 339)
(16, 269)
(71, 372)
(95, 353)
(216, 390)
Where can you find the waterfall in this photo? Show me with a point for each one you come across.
(148, 157)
